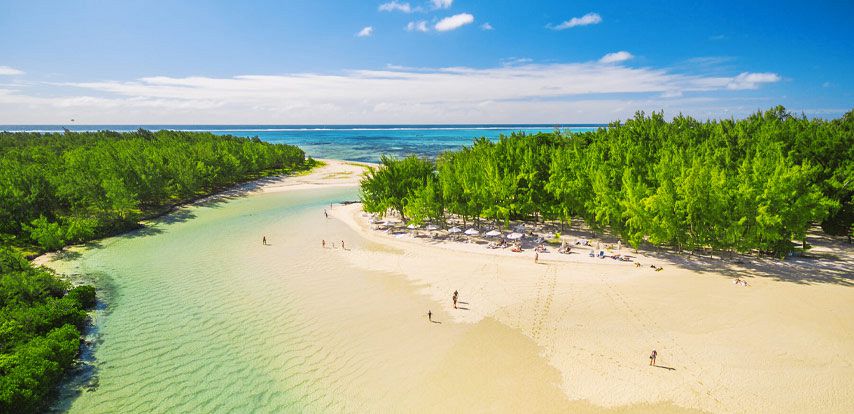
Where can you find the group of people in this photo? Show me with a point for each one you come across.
(323, 244)
(565, 248)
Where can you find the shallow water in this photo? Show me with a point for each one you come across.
(200, 317)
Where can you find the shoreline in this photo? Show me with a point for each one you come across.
(773, 346)
(275, 183)
(692, 312)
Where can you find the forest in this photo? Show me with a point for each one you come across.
(750, 185)
(62, 188)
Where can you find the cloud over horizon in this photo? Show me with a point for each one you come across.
(365, 32)
(527, 92)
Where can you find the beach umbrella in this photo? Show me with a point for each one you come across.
(454, 230)
(432, 227)
(472, 232)
(493, 233)
(515, 236)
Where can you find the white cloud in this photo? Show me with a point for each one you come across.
(442, 4)
(366, 31)
(747, 80)
(616, 57)
(419, 26)
(394, 5)
(587, 19)
(486, 26)
(6, 70)
(519, 92)
(454, 22)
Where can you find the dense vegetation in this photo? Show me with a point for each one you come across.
(63, 188)
(40, 324)
(57, 189)
(751, 184)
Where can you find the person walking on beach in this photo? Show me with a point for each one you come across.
(323, 243)
(536, 257)
(652, 357)
(429, 315)
(264, 240)
(454, 298)
(342, 245)
(325, 213)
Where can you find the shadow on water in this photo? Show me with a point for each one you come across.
(68, 255)
(83, 376)
(178, 216)
(240, 191)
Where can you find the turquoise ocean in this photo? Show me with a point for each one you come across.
(348, 142)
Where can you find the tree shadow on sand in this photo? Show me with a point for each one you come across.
(830, 261)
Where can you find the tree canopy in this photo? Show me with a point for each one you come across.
(740, 185)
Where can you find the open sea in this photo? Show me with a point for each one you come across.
(347, 142)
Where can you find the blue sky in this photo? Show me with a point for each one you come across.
(430, 61)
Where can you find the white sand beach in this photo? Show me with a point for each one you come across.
(781, 344)
(569, 334)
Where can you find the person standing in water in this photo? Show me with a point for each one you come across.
(264, 240)
(652, 357)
